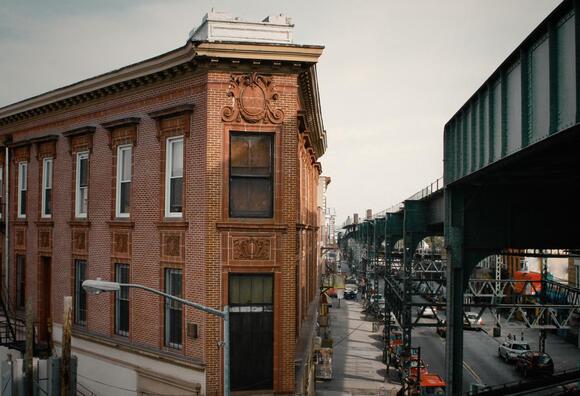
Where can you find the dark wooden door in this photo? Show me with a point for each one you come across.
(251, 332)
(44, 303)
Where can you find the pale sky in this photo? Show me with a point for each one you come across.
(392, 74)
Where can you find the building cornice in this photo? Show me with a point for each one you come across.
(177, 62)
(313, 124)
(74, 93)
(270, 52)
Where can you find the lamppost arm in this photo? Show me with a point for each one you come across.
(98, 286)
(209, 310)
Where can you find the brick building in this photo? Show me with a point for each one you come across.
(195, 172)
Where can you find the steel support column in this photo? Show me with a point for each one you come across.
(454, 223)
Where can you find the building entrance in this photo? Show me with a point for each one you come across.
(251, 331)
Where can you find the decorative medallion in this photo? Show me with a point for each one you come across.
(172, 245)
(251, 249)
(79, 241)
(44, 239)
(121, 243)
(253, 96)
(20, 234)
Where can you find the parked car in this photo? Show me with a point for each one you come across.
(511, 349)
(534, 363)
(428, 312)
(473, 321)
(350, 291)
(442, 328)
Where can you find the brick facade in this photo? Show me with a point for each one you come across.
(193, 102)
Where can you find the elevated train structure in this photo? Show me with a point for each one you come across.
(511, 181)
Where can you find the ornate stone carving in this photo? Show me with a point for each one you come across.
(79, 241)
(121, 243)
(20, 234)
(172, 245)
(251, 249)
(253, 96)
(44, 239)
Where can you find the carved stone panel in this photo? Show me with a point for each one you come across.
(121, 243)
(80, 241)
(45, 239)
(251, 249)
(20, 238)
(172, 246)
(253, 100)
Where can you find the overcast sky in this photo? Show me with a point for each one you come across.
(393, 71)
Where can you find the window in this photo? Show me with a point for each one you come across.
(1, 188)
(173, 309)
(80, 293)
(123, 181)
(174, 178)
(122, 300)
(20, 281)
(22, 187)
(251, 181)
(82, 185)
(46, 187)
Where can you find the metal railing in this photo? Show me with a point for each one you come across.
(432, 188)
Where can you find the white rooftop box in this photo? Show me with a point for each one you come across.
(222, 26)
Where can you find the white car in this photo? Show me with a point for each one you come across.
(511, 349)
(428, 312)
(473, 320)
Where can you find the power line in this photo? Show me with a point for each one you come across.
(131, 390)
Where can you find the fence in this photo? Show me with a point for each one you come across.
(45, 378)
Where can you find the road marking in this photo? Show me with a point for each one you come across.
(472, 372)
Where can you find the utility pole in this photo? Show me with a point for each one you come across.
(544, 300)
(65, 371)
(28, 371)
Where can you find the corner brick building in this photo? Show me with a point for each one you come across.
(195, 172)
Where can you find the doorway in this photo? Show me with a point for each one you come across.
(251, 331)
(44, 301)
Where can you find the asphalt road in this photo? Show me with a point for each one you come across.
(480, 362)
(480, 359)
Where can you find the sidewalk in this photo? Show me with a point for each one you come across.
(357, 352)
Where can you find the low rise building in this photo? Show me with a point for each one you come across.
(195, 172)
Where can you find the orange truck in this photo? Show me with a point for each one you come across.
(530, 283)
(432, 384)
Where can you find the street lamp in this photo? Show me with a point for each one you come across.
(98, 286)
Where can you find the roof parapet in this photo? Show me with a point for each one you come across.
(222, 26)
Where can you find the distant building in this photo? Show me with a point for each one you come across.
(195, 172)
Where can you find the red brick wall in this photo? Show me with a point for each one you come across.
(206, 257)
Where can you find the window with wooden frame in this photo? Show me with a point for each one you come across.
(82, 185)
(1, 190)
(22, 188)
(173, 309)
(20, 281)
(123, 190)
(251, 189)
(174, 177)
(122, 300)
(46, 203)
(80, 301)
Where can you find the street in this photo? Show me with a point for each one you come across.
(480, 358)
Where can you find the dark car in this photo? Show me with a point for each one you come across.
(442, 328)
(535, 363)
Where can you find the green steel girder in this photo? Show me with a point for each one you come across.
(532, 96)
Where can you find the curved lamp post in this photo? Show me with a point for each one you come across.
(98, 286)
